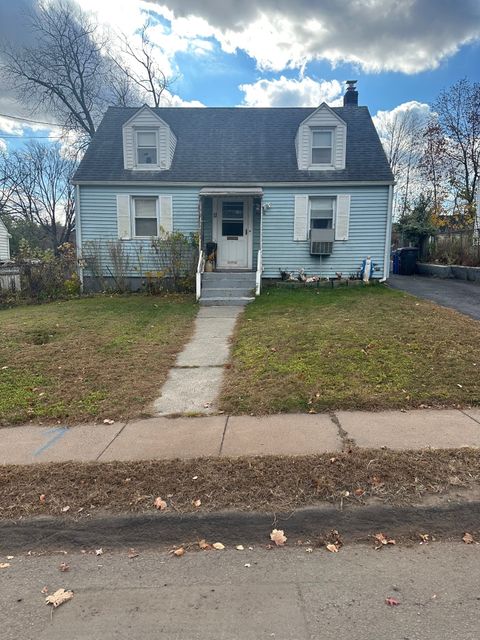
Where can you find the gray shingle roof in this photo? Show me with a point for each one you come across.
(232, 145)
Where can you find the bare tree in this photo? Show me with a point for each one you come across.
(458, 113)
(432, 166)
(141, 67)
(66, 71)
(38, 188)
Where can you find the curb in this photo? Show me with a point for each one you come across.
(232, 527)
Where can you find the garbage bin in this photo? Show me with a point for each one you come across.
(407, 259)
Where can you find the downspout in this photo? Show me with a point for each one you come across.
(388, 236)
(78, 235)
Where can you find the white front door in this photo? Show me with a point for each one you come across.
(234, 231)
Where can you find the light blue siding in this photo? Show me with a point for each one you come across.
(368, 222)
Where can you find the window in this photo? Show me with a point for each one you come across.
(147, 147)
(322, 146)
(145, 217)
(232, 219)
(321, 212)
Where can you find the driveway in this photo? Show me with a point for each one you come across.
(457, 294)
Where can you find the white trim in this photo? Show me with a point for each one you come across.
(139, 110)
(231, 191)
(388, 235)
(78, 235)
(334, 211)
(146, 167)
(324, 105)
(133, 216)
(161, 183)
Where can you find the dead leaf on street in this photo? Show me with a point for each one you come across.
(43, 498)
(381, 540)
(197, 503)
(132, 553)
(278, 537)
(468, 538)
(160, 504)
(178, 552)
(218, 546)
(44, 590)
(65, 509)
(108, 421)
(239, 547)
(64, 567)
(99, 552)
(392, 602)
(203, 544)
(4, 565)
(332, 548)
(59, 597)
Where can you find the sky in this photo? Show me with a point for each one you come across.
(284, 53)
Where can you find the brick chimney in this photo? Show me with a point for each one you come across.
(350, 99)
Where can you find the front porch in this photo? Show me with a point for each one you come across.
(230, 260)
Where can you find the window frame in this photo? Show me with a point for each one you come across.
(137, 146)
(133, 216)
(323, 165)
(333, 198)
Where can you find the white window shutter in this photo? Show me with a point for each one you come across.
(342, 220)
(166, 213)
(123, 217)
(300, 222)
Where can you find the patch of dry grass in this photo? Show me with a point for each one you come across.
(270, 483)
(98, 357)
(360, 348)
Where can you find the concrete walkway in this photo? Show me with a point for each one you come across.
(193, 384)
(287, 434)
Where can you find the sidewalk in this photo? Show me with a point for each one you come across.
(216, 435)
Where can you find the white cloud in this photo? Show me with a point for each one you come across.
(286, 92)
(377, 35)
(383, 120)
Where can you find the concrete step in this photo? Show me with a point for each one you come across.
(225, 302)
(222, 283)
(239, 276)
(230, 292)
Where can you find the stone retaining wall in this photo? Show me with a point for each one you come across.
(449, 271)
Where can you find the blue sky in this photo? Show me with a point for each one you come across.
(280, 53)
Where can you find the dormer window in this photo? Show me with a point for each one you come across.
(147, 147)
(322, 146)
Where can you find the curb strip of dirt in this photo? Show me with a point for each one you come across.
(150, 530)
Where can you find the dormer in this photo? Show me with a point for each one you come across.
(148, 142)
(321, 141)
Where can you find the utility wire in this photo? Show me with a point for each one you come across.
(50, 124)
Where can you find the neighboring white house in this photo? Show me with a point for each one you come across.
(4, 243)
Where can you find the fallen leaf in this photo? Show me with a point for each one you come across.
(247, 564)
(309, 550)
(392, 602)
(132, 553)
(10, 557)
(160, 504)
(359, 492)
(278, 537)
(468, 538)
(4, 565)
(218, 546)
(203, 544)
(43, 498)
(59, 597)
(179, 552)
(65, 509)
(99, 552)
(197, 503)
(108, 421)
(195, 478)
(239, 547)
(64, 567)
(332, 548)
(382, 540)
(44, 590)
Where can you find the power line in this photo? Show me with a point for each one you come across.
(50, 124)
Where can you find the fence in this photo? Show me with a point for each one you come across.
(454, 247)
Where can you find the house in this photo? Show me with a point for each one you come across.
(4, 243)
(275, 189)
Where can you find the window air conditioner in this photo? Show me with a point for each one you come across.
(321, 241)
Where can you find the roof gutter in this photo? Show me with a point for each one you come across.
(209, 183)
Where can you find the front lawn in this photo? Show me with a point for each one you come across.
(350, 348)
(92, 358)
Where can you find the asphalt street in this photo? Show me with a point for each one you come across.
(283, 593)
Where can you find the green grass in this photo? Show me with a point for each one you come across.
(92, 358)
(358, 348)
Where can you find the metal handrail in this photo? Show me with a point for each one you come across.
(258, 275)
(198, 277)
